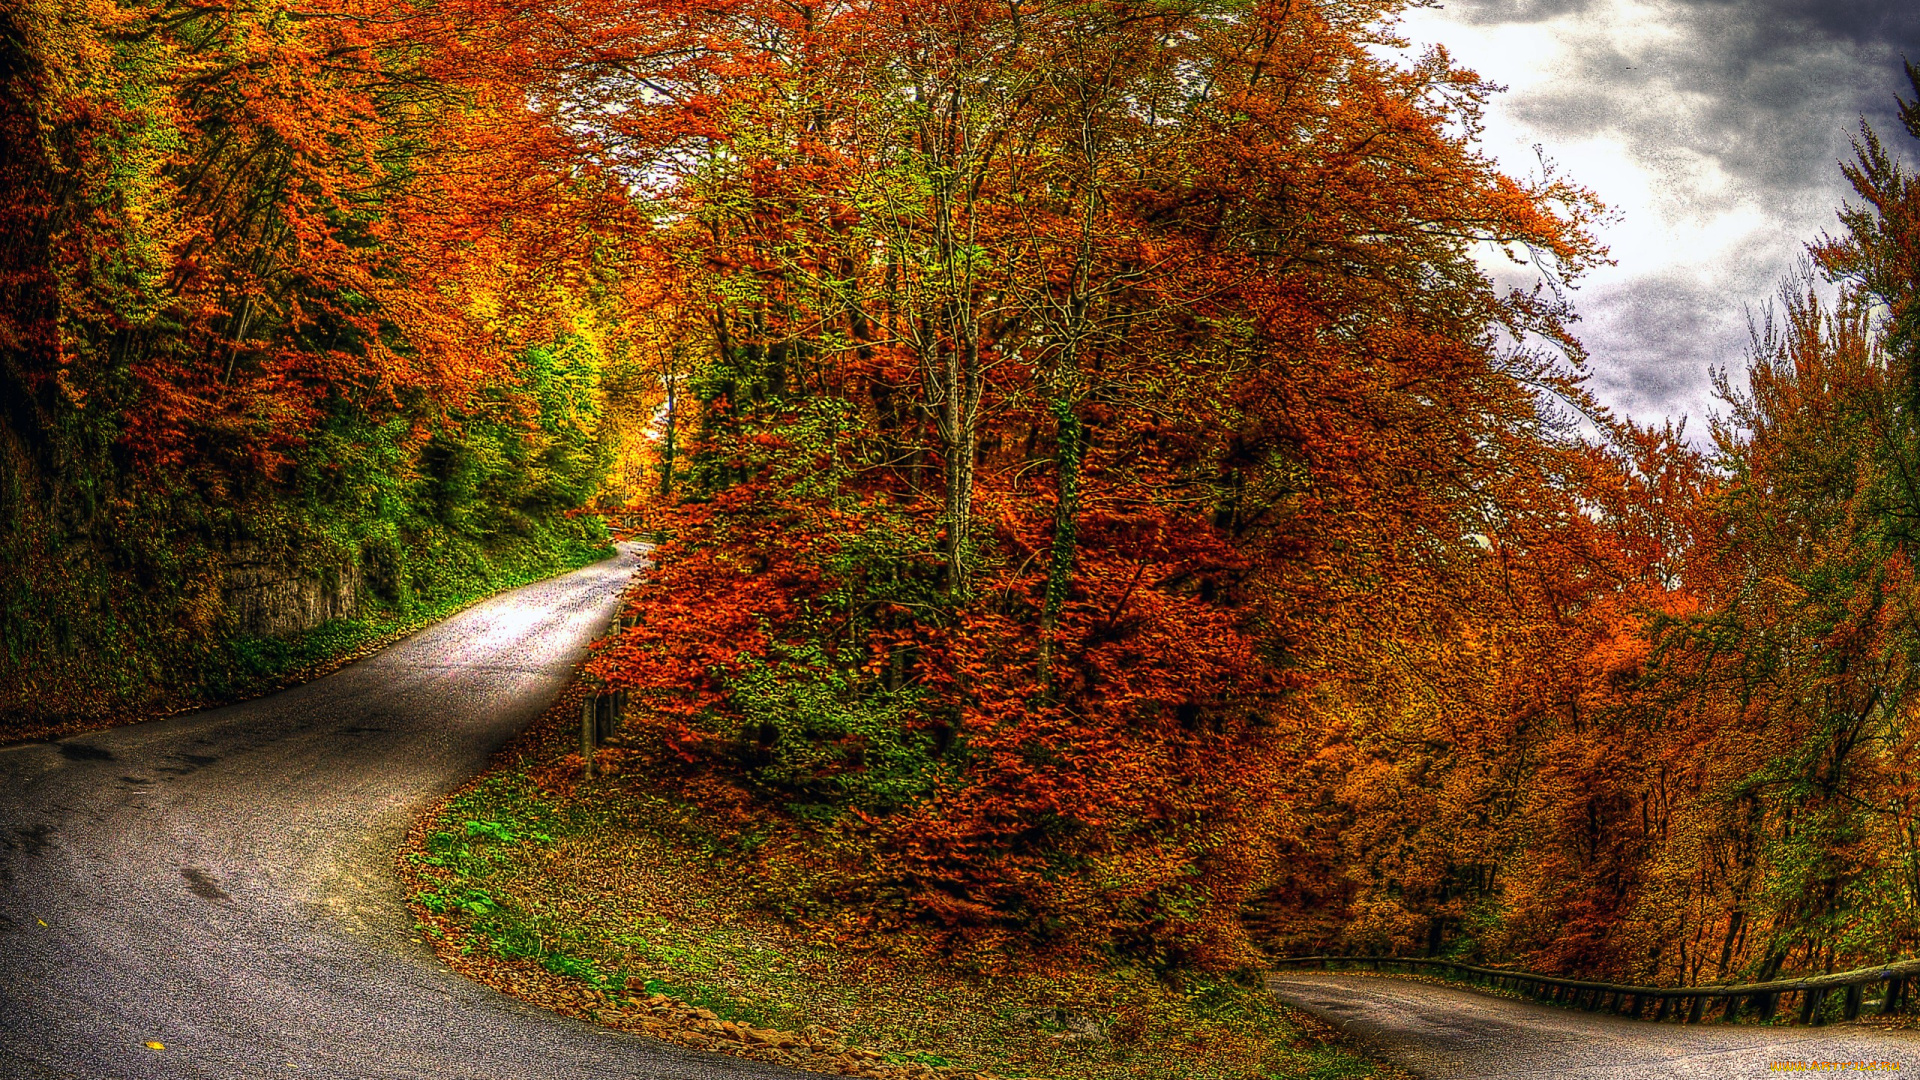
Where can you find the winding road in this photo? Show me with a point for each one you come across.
(1443, 1031)
(221, 883)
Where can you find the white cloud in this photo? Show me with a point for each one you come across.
(1712, 129)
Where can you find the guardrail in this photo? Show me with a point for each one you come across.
(601, 710)
(1691, 1005)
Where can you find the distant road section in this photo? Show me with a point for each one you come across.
(220, 884)
(1444, 1032)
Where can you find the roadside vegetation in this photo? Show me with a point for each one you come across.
(271, 354)
(607, 901)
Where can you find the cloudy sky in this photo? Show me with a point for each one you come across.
(1713, 128)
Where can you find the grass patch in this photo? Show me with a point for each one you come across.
(600, 899)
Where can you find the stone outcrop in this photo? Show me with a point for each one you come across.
(268, 597)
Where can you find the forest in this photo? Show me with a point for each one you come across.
(1108, 498)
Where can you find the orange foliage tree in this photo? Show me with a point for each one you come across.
(261, 289)
(1671, 739)
(1083, 383)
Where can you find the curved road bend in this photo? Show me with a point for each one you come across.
(1447, 1031)
(221, 882)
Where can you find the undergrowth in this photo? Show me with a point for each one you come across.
(607, 890)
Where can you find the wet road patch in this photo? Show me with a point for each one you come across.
(31, 840)
(199, 884)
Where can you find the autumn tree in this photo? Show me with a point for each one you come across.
(279, 274)
(1691, 760)
(1082, 379)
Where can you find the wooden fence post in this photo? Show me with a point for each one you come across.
(1895, 987)
(586, 734)
(1810, 1006)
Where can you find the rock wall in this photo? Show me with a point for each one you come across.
(269, 598)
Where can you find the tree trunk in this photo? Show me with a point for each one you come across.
(960, 436)
(668, 447)
(1068, 451)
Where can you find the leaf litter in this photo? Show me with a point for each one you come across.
(606, 902)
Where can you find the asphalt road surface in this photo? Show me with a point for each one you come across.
(1445, 1031)
(221, 882)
